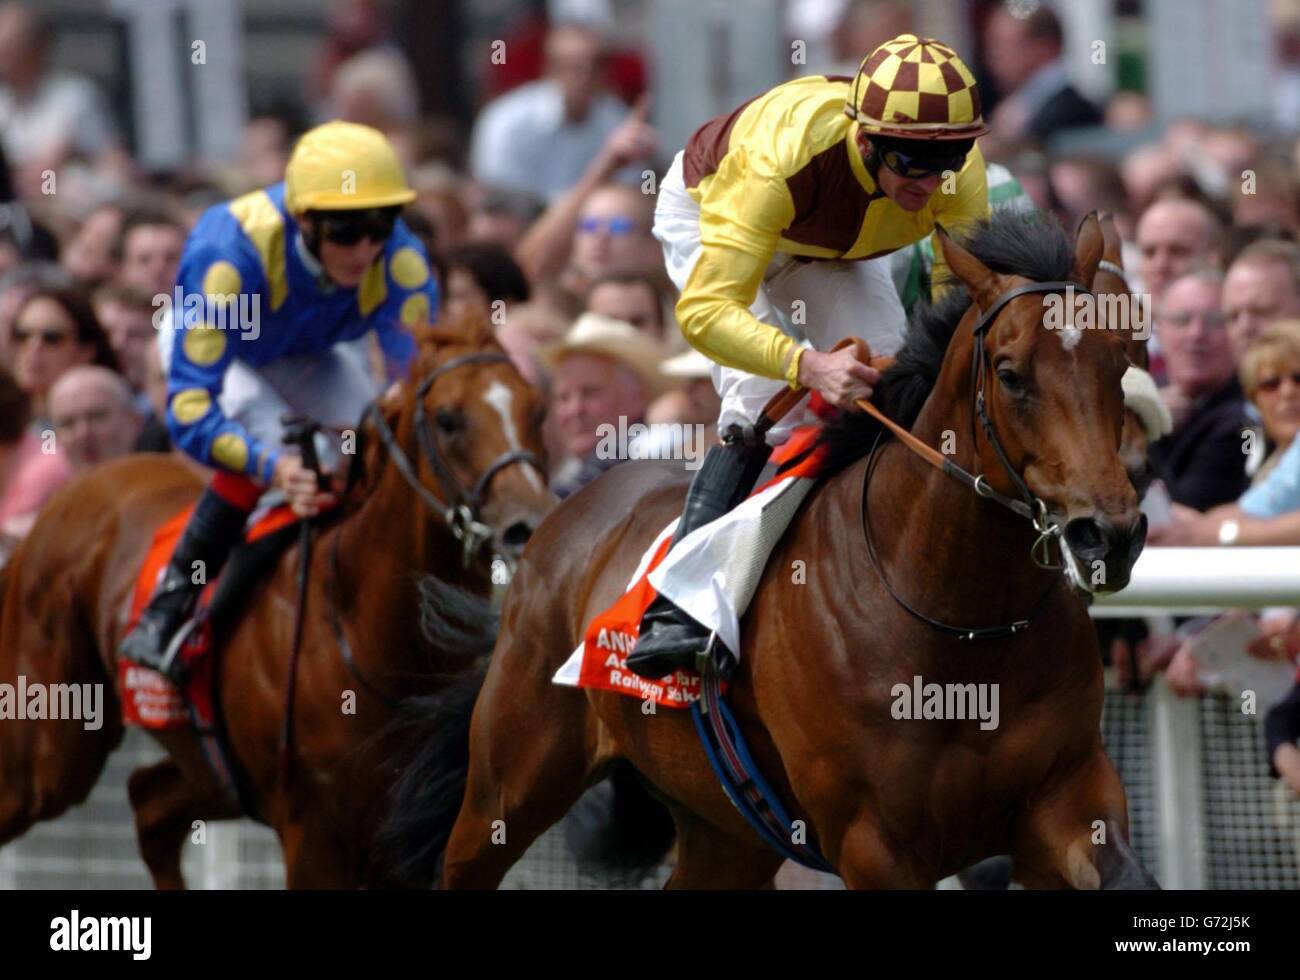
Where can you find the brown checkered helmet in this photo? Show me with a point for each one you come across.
(916, 88)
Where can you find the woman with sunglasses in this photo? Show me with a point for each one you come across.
(770, 219)
(1269, 512)
(54, 330)
(273, 290)
(1270, 377)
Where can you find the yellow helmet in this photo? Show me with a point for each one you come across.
(916, 88)
(343, 166)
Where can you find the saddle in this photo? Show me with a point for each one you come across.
(147, 699)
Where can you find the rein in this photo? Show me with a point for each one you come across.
(1029, 506)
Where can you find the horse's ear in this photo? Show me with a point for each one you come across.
(1114, 250)
(984, 284)
(1089, 243)
(426, 341)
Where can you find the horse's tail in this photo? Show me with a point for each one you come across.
(433, 731)
(625, 832)
(456, 620)
(427, 795)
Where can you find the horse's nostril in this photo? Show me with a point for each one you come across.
(517, 534)
(1086, 538)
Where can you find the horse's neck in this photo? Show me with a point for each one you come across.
(390, 539)
(917, 510)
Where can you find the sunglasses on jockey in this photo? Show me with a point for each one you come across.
(913, 160)
(347, 228)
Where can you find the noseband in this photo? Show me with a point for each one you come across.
(462, 510)
(1029, 506)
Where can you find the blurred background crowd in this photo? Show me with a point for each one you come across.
(535, 133)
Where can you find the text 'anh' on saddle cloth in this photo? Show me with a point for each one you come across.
(710, 574)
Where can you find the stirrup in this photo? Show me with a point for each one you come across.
(715, 658)
(170, 665)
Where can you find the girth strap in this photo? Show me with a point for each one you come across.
(743, 781)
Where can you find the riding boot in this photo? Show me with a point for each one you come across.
(213, 530)
(670, 639)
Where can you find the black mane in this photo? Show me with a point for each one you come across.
(1032, 245)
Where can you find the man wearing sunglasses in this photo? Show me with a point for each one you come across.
(277, 287)
(774, 222)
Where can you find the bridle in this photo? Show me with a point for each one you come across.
(461, 511)
(1029, 506)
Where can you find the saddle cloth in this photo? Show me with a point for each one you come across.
(147, 699)
(711, 575)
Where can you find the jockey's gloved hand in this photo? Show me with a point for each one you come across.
(839, 376)
(299, 485)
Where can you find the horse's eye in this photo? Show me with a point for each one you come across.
(449, 421)
(1009, 379)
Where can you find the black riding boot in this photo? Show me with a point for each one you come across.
(213, 530)
(670, 639)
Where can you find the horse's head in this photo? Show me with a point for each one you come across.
(1050, 377)
(471, 428)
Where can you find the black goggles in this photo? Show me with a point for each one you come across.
(350, 227)
(917, 166)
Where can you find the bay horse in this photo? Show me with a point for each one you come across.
(889, 802)
(1109, 282)
(65, 591)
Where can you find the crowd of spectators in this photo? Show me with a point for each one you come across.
(539, 218)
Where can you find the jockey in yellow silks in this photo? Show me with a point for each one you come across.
(776, 221)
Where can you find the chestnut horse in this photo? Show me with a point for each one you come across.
(889, 802)
(65, 592)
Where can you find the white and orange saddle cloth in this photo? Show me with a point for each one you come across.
(711, 575)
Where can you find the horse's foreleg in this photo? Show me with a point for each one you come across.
(527, 766)
(1078, 836)
(315, 857)
(867, 859)
(711, 858)
(166, 807)
(50, 764)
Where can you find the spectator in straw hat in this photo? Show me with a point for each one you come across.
(696, 401)
(681, 422)
(605, 373)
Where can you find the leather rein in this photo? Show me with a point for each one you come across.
(1029, 506)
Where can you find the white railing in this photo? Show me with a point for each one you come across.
(1188, 581)
(1196, 747)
